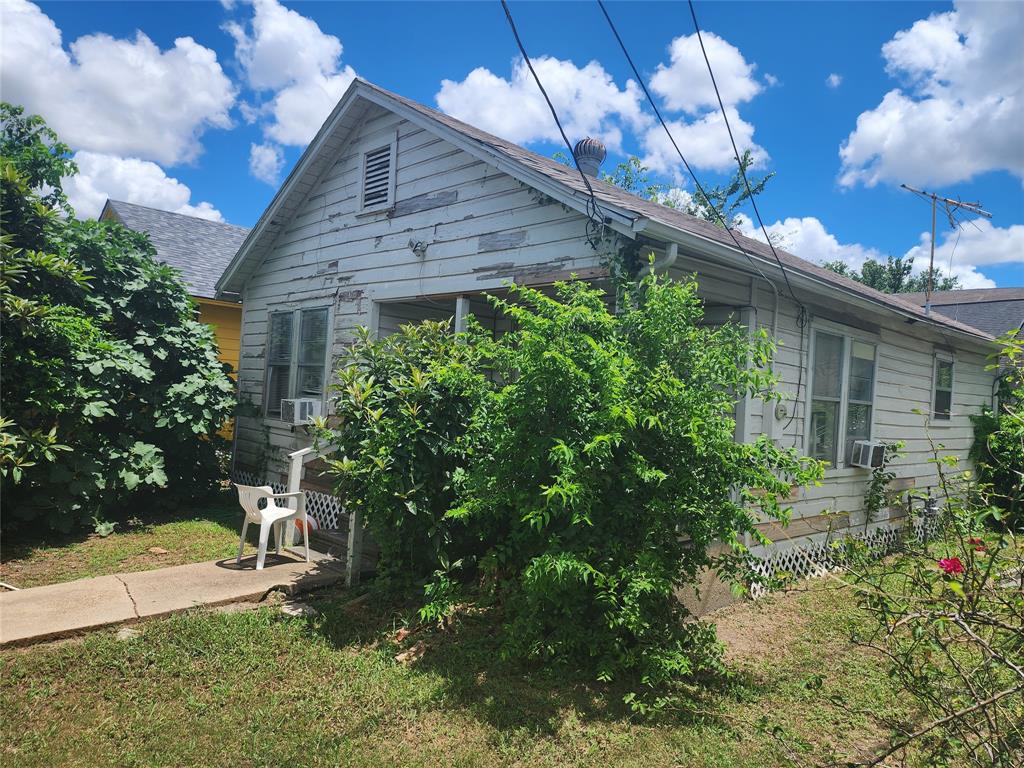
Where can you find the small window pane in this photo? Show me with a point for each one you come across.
(862, 371)
(280, 351)
(828, 365)
(311, 381)
(313, 337)
(277, 388)
(943, 404)
(858, 425)
(824, 430)
(944, 375)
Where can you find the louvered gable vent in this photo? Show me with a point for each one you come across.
(377, 177)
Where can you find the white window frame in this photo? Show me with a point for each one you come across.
(848, 335)
(942, 357)
(392, 177)
(293, 363)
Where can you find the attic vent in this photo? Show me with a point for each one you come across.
(378, 177)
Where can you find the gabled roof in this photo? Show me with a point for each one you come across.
(623, 211)
(199, 248)
(993, 310)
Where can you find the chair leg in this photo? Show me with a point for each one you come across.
(261, 553)
(241, 541)
(305, 537)
(278, 535)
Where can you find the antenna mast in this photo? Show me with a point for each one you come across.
(951, 205)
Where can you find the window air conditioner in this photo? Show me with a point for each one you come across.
(867, 454)
(300, 410)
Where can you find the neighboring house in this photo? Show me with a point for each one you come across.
(200, 249)
(397, 212)
(993, 310)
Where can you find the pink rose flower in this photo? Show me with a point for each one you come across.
(951, 565)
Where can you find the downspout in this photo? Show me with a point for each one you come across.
(671, 254)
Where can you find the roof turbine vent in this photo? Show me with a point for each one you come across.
(590, 153)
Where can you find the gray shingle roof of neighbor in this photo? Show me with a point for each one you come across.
(568, 179)
(993, 310)
(199, 248)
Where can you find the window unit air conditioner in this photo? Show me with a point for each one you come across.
(867, 454)
(300, 410)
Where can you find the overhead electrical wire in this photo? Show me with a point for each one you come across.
(671, 138)
(736, 153)
(594, 214)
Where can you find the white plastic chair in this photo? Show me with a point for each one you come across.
(271, 516)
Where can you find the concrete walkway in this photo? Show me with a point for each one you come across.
(58, 610)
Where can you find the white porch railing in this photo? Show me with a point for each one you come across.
(354, 555)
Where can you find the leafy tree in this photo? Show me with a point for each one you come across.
(575, 471)
(111, 385)
(721, 202)
(894, 276)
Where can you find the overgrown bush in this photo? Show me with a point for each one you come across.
(948, 616)
(576, 470)
(111, 385)
(998, 450)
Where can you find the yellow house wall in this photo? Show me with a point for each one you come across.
(226, 319)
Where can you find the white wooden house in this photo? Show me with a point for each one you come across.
(397, 212)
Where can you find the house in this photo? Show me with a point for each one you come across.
(993, 310)
(397, 212)
(200, 249)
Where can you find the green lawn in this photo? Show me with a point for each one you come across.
(257, 688)
(207, 531)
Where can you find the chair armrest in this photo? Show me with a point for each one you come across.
(292, 495)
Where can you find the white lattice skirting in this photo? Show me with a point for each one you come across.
(817, 558)
(324, 508)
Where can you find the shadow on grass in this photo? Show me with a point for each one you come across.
(220, 507)
(505, 694)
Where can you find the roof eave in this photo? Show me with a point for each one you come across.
(710, 248)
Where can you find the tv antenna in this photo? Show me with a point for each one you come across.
(951, 205)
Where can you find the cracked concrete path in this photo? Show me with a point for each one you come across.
(59, 610)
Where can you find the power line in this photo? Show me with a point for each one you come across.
(736, 153)
(594, 213)
(675, 146)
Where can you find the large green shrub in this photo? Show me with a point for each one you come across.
(578, 469)
(111, 385)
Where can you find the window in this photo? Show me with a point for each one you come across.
(378, 178)
(942, 389)
(296, 356)
(842, 395)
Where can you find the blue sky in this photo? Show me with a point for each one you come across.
(927, 93)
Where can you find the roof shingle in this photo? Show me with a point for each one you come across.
(199, 248)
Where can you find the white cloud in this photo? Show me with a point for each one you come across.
(834, 80)
(979, 247)
(132, 180)
(704, 142)
(118, 96)
(266, 162)
(685, 84)
(286, 53)
(587, 100)
(962, 110)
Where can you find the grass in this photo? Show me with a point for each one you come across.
(207, 531)
(259, 688)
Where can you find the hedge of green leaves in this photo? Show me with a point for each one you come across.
(576, 471)
(112, 390)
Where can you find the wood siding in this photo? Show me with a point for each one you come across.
(482, 228)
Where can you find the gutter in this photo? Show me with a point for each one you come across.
(720, 252)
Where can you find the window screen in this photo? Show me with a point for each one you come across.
(943, 396)
(826, 396)
(860, 395)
